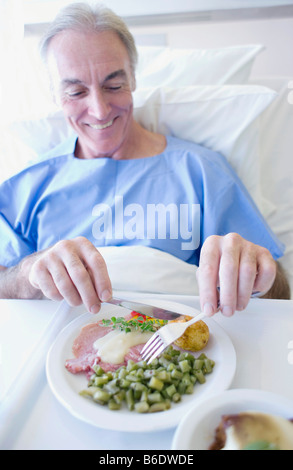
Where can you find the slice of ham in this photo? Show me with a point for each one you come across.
(85, 355)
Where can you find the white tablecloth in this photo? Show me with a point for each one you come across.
(262, 336)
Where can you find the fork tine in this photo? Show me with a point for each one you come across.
(156, 353)
(150, 342)
(152, 347)
(152, 352)
(166, 335)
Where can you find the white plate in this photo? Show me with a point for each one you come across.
(196, 430)
(66, 386)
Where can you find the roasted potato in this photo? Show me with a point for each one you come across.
(195, 336)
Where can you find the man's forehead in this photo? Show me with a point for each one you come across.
(77, 56)
(72, 51)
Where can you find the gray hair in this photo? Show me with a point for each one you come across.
(91, 18)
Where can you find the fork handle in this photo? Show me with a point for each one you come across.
(195, 319)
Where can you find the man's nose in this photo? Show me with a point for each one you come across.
(99, 106)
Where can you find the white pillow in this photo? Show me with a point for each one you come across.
(276, 166)
(43, 134)
(174, 67)
(222, 118)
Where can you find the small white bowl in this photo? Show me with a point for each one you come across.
(196, 429)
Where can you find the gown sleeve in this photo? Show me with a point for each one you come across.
(16, 230)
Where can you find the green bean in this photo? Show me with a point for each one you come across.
(184, 365)
(98, 370)
(163, 375)
(189, 389)
(198, 364)
(171, 390)
(112, 387)
(114, 405)
(141, 407)
(176, 374)
(164, 361)
(122, 373)
(129, 399)
(208, 365)
(181, 388)
(124, 383)
(101, 396)
(119, 397)
(132, 378)
(200, 376)
(149, 388)
(138, 386)
(100, 380)
(176, 397)
(89, 392)
(156, 383)
(159, 407)
(154, 397)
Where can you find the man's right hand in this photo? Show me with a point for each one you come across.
(73, 270)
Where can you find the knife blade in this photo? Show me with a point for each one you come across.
(152, 310)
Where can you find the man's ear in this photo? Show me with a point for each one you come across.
(55, 98)
(133, 83)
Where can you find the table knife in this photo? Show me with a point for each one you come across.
(153, 311)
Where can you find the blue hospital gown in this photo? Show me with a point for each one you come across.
(171, 202)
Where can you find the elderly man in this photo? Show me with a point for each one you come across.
(46, 223)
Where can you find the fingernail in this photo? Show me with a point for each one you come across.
(208, 309)
(95, 308)
(106, 295)
(227, 311)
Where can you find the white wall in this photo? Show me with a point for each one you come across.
(38, 11)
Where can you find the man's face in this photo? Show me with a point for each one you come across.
(92, 80)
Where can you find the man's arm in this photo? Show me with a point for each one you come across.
(14, 284)
(72, 269)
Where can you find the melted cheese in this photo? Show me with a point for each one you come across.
(114, 346)
(259, 427)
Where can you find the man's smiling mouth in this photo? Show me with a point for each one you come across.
(101, 126)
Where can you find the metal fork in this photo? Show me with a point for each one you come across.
(164, 337)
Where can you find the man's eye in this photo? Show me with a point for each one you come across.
(74, 94)
(114, 88)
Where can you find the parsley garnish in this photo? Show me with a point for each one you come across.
(135, 324)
